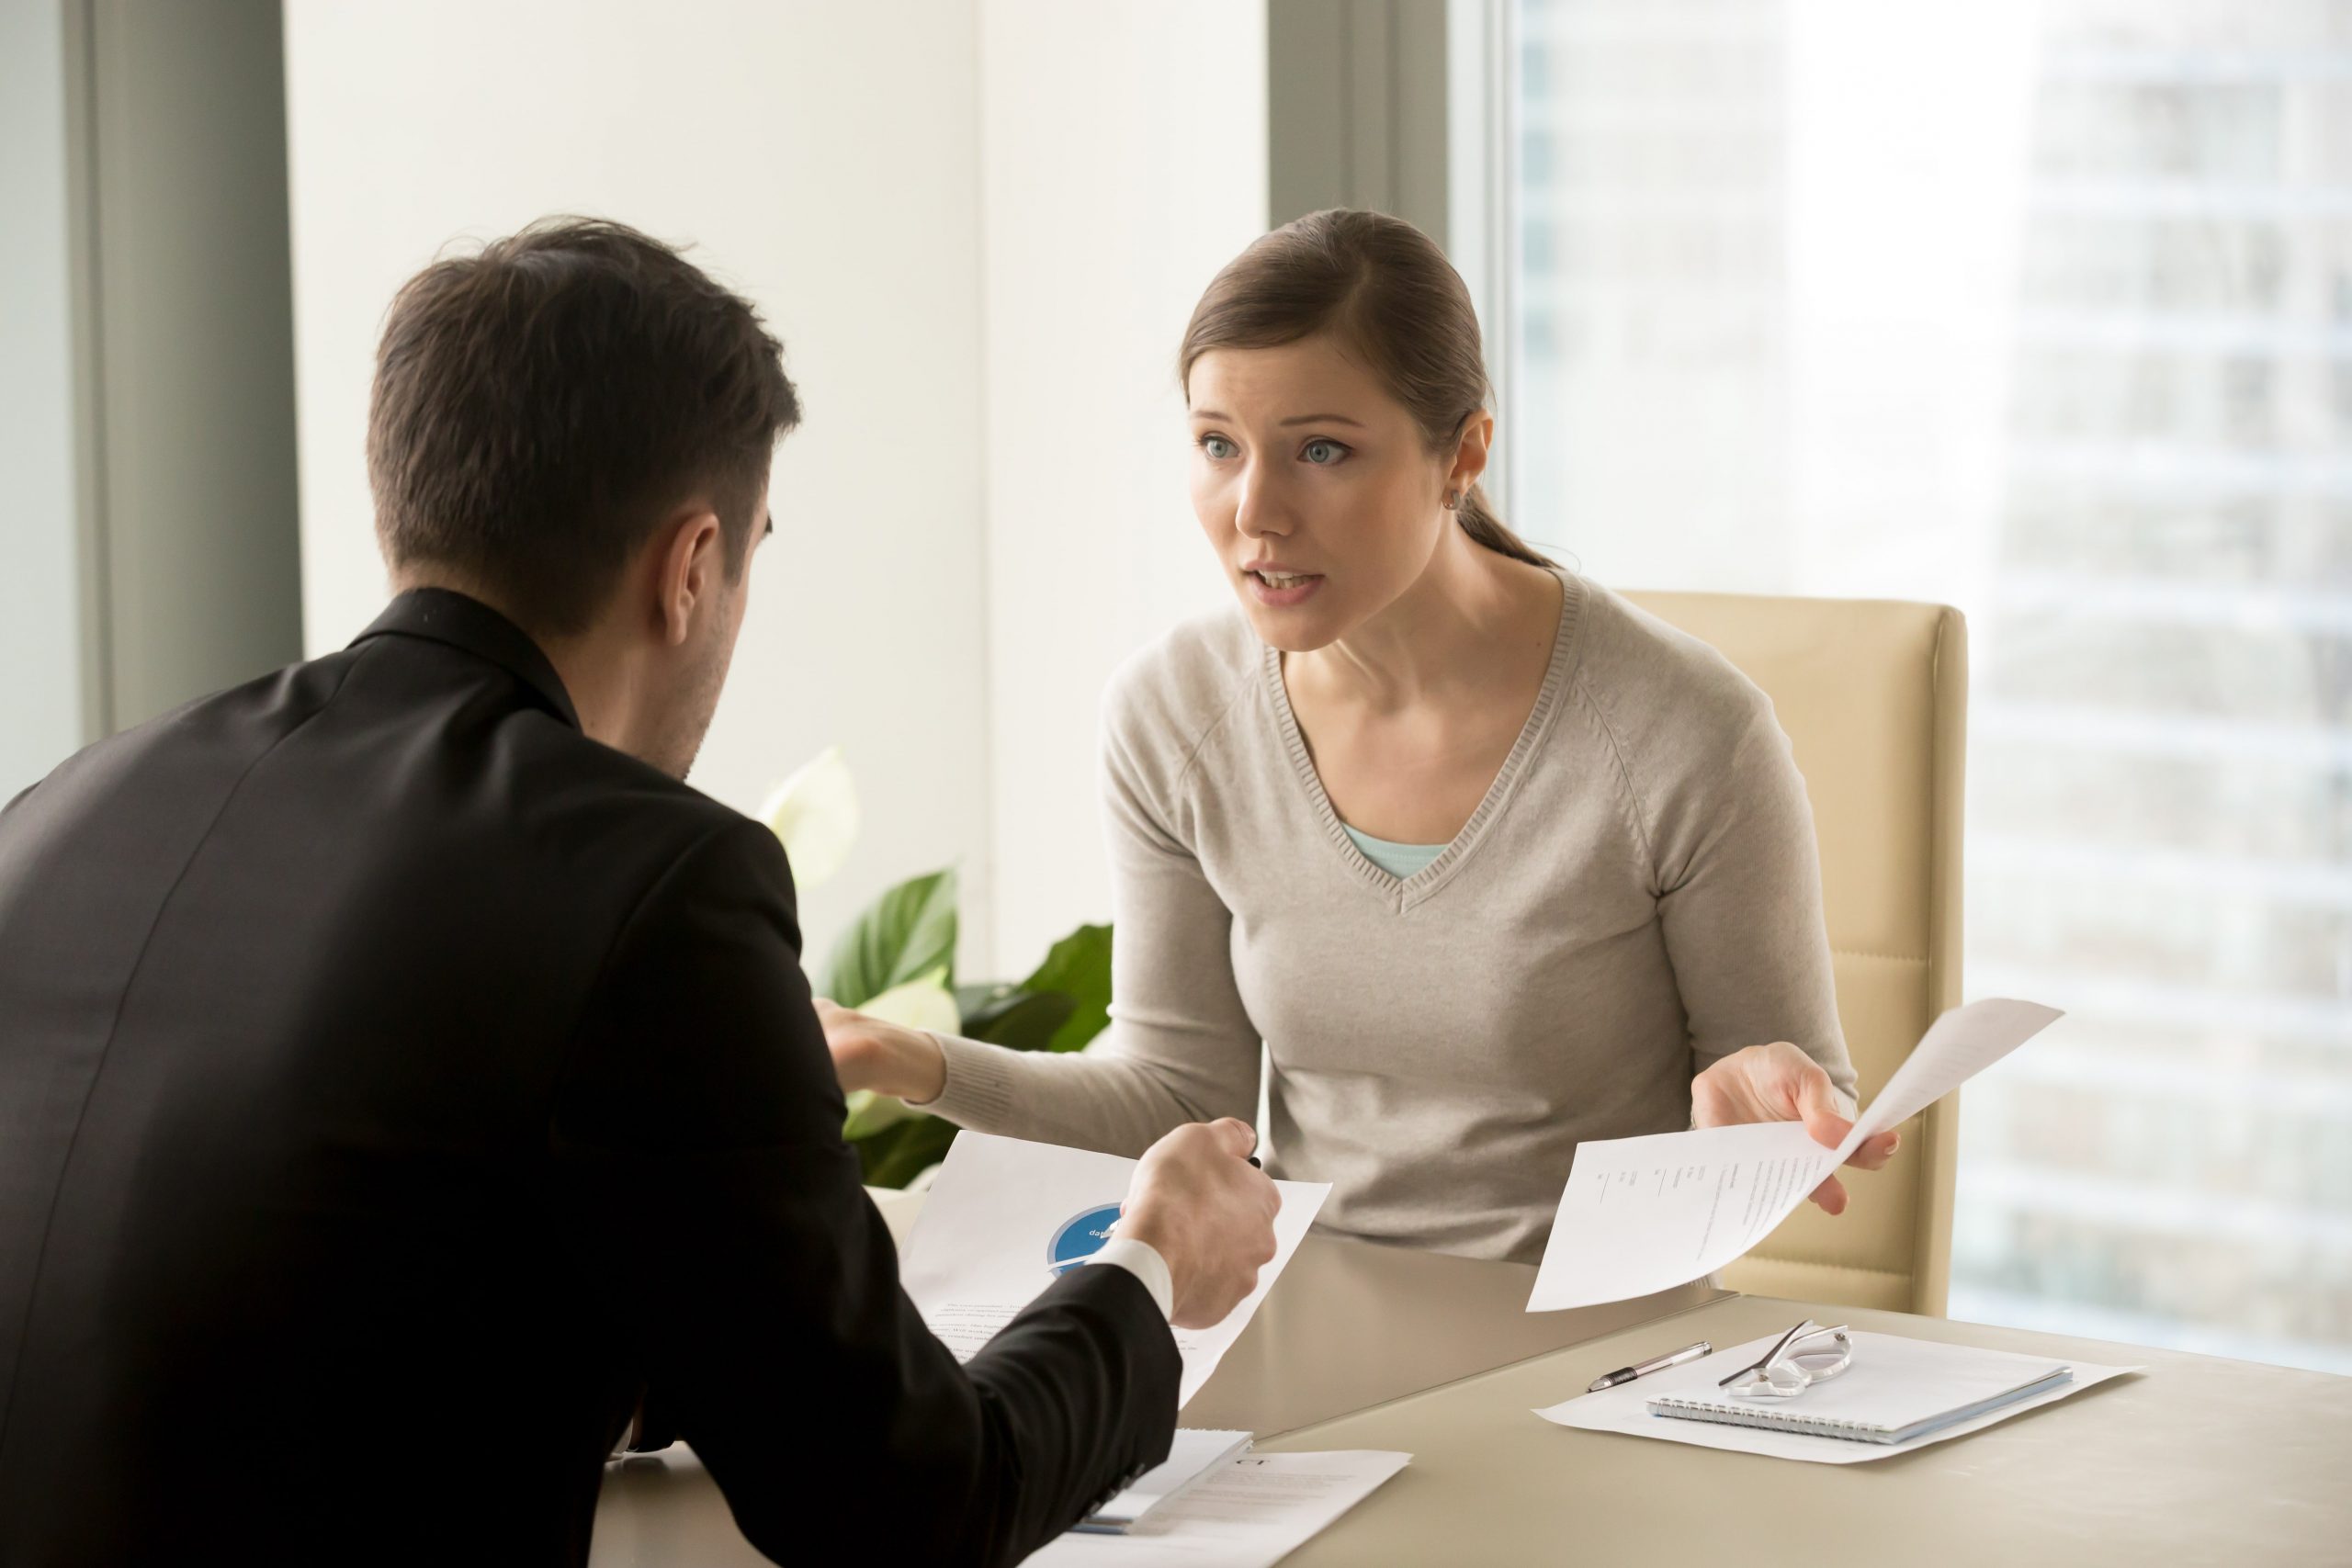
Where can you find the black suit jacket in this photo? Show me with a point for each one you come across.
(395, 1084)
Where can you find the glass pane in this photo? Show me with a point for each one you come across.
(2043, 309)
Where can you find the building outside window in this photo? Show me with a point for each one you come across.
(2042, 308)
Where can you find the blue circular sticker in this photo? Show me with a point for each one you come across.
(1081, 1237)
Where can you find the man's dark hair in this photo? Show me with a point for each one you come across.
(540, 407)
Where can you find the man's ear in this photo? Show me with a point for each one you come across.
(689, 559)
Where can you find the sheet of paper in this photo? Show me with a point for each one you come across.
(1250, 1514)
(1957, 1046)
(1195, 1453)
(1646, 1215)
(1625, 1409)
(1005, 1218)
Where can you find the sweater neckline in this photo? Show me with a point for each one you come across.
(1411, 890)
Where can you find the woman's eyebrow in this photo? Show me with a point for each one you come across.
(1301, 419)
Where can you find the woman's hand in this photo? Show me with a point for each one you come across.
(887, 1058)
(1780, 1083)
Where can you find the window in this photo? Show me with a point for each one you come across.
(2043, 309)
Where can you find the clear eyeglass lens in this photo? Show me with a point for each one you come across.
(1815, 1358)
(1778, 1380)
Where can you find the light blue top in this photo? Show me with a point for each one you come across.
(1400, 861)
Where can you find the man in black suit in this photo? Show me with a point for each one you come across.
(404, 1072)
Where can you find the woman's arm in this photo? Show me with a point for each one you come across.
(1181, 1046)
(1740, 901)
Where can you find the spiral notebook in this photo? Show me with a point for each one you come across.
(1897, 1390)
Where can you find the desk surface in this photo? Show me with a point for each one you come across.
(1348, 1326)
(2196, 1461)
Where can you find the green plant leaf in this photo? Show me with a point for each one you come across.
(894, 1157)
(979, 1005)
(1078, 967)
(1027, 1020)
(906, 934)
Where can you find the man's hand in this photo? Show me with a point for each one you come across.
(1780, 1083)
(887, 1058)
(1198, 1202)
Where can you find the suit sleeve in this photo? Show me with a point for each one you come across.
(698, 1131)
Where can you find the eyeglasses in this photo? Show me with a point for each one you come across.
(1805, 1355)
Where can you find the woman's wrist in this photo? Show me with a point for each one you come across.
(922, 1066)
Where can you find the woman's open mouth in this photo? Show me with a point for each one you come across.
(1280, 589)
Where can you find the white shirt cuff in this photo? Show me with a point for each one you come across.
(1143, 1260)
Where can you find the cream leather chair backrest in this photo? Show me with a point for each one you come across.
(1873, 696)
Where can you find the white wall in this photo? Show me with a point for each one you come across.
(1122, 162)
(822, 156)
(978, 228)
(41, 695)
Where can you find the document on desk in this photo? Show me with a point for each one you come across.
(1646, 1215)
(1252, 1513)
(1888, 1370)
(1005, 1218)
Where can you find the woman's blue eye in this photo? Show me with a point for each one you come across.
(1217, 446)
(1323, 453)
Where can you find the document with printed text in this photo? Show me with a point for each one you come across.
(1251, 1513)
(1005, 1218)
(1646, 1215)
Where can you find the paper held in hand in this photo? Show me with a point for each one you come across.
(1646, 1215)
(1005, 1218)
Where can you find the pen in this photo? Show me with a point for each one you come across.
(1655, 1364)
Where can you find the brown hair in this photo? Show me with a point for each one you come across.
(540, 406)
(1388, 291)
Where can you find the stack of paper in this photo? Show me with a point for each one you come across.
(1195, 1453)
(1250, 1513)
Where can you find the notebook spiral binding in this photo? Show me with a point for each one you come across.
(1775, 1420)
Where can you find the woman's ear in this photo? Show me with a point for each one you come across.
(1470, 452)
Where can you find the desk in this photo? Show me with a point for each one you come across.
(1350, 1325)
(2200, 1461)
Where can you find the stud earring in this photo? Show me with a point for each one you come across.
(1452, 500)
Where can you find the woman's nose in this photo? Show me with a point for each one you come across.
(1259, 511)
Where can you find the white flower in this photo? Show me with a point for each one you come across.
(814, 814)
(926, 1003)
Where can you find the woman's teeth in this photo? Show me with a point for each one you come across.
(1281, 580)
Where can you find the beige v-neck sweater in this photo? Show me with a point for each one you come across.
(1637, 895)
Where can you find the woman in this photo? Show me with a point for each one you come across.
(1490, 861)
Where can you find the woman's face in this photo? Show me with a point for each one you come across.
(1314, 485)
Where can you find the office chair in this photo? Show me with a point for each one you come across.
(1873, 695)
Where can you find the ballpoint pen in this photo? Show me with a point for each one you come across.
(1655, 1364)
